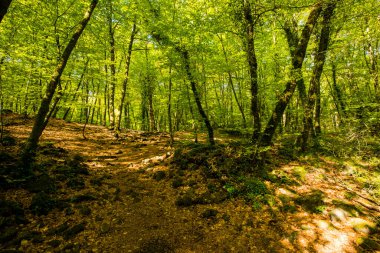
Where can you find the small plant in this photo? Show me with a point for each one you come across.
(255, 187)
(231, 189)
(300, 173)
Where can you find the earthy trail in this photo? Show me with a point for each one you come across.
(134, 209)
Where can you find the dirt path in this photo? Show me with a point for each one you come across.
(135, 211)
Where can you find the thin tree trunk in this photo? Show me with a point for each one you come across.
(186, 60)
(1, 102)
(152, 121)
(314, 89)
(77, 89)
(170, 107)
(112, 86)
(126, 76)
(230, 82)
(297, 61)
(86, 110)
(252, 62)
(317, 117)
(28, 152)
(194, 119)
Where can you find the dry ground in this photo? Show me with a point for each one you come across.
(133, 212)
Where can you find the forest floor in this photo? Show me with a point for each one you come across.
(138, 194)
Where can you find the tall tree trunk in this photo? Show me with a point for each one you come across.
(126, 75)
(293, 40)
(1, 101)
(4, 5)
(77, 89)
(170, 107)
(152, 121)
(28, 152)
(162, 38)
(112, 86)
(230, 82)
(317, 118)
(86, 109)
(193, 84)
(194, 123)
(299, 55)
(314, 89)
(252, 62)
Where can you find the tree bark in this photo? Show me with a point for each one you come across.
(293, 40)
(299, 55)
(77, 89)
(162, 38)
(186, 60)
(126, 75)
(170, 107)
(4, 5)
(28, 152)
(152, 121)
(314, 89)
(252, 62)
(230, 82)
(112, 86)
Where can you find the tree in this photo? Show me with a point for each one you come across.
(252, 62)
(297, 60)
(38, 127)
(112, 87)
(314, 89)
(126, 75)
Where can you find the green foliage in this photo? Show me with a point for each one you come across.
(300, 173)
(231, 189)
(252, 189)
(33, 35)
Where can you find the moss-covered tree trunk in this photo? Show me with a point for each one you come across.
(112, 84)
(186, 60)
(299, 55)
(314, 89)
(252, 63)
(28, 152)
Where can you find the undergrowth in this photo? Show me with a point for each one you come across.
(226, 170)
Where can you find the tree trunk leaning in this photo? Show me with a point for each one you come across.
(28, 152)
(284, 99)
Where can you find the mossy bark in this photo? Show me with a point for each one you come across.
(299, 55)
(252, 62)
(314, 89)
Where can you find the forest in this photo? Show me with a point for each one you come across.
(189, 126)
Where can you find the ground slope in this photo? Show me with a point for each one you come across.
(129, 203)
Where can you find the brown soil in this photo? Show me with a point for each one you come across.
(134, 212)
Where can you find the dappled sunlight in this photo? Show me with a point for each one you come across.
(307, 205)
